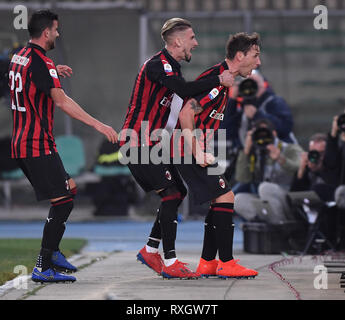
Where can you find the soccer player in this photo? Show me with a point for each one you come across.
(35, 90)
(205, 111)
(158, 80)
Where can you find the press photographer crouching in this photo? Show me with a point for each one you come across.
(312, 174)
(312, 196)
(253, 99)
(264, 172)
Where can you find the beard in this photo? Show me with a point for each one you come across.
(51, 44)
(187, 57)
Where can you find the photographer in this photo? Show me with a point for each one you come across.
(253, 99)
(265, 166)
(312, 174)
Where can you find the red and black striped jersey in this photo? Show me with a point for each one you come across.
(150, 100)
(31, 76)
(213, 103)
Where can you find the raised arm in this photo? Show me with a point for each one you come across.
(191, 88)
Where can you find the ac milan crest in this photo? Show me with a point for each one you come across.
(222, 183)
(168, 175)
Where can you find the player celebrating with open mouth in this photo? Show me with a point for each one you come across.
(205, 111)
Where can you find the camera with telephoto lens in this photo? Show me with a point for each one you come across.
(314, 156)
(341, 122)
(262, 137)
(247, 90)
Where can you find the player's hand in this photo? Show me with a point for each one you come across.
(204, 159)
(226, 79)
(64, 71)
(108, 131)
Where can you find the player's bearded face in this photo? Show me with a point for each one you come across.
(53, 34)
(190, 43)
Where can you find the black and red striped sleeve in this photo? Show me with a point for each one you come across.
(163, 73)
(44, 73)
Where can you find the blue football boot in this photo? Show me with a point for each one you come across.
(60, 263)
(50, 275)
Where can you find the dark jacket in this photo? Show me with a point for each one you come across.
(323, 183)
(335, 158)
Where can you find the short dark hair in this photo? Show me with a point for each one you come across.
(39, 21)
(172, 25)
(241, 41)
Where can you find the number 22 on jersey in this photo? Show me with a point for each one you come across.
(16, 87)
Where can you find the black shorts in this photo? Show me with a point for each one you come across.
(204, 187)
(47, 176)
(156, 176)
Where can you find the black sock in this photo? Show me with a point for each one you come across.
(209, 249)
(155, 235)
(44, 259)
(168, 223)
(54, 227)
(222, 218)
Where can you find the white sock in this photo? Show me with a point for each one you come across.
(151, 249)
(169, 262)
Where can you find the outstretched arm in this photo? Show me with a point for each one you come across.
(191, 88)
(75, 111)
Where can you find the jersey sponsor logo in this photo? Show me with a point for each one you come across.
(53, 73)
(222, 183)
(213, 93)
(20, 60)
(217, 115)
(166, 101)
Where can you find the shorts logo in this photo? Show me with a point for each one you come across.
(168, 175)
(222, 183)
(66, 184)
(213, 93)
(53, 73)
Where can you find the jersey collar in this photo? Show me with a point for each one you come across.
(172, 61)
(36, 46)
